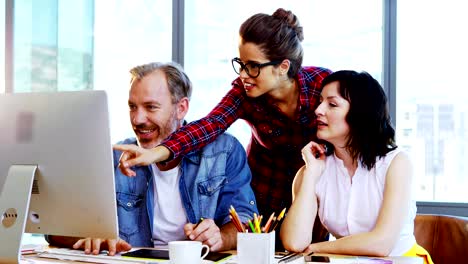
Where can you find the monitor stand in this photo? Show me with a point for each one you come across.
(14, 208)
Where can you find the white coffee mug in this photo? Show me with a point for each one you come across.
(186, 252)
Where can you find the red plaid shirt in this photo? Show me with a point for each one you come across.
(274, 151)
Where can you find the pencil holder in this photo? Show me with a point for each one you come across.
(256, 248)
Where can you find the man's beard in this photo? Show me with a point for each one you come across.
(163, 131)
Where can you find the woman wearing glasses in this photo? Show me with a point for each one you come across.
(274, 94)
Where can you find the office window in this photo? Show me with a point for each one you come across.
(431, 93)
(126, 34)
(64, 45)
(338, 34)
(52, 45)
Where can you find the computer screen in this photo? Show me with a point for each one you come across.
(66, 137)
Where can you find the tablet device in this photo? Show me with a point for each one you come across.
(148, 253)
(217, 256)
(164, 254)
(317, 259)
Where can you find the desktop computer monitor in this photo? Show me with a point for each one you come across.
(56, 167)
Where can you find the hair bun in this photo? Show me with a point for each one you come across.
(291, 20)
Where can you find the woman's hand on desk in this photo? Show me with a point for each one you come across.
(311, 248)
(95, 245)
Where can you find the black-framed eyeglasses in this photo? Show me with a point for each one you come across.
(251, 68)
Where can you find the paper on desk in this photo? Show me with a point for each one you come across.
(30, 248)
(233, 260)
(32, 261)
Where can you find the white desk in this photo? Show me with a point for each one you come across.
(33, 259)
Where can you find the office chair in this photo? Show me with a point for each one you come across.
(444, 237)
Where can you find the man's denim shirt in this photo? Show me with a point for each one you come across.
(212, 179)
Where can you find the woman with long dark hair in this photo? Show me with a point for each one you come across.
(362, 193)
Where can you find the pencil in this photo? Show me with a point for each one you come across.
(236, 224)
(273, 223)
(236, 217)
(267, 225)
(280, 217)
(199, 221)
(260, 223)
(290, 258)
(252, 226)
(256, 224)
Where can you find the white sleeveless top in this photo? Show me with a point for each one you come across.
(346, 208)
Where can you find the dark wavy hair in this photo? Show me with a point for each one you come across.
(279, 37)
(371, 134)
